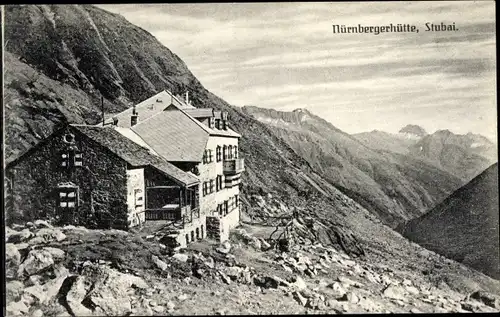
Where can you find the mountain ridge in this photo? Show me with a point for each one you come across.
(394, 187)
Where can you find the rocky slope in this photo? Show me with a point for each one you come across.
(464, 227)
(393, 186)
(79, 272)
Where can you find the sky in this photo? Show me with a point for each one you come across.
(285, 56)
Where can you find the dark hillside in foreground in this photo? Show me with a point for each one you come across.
(464, 226)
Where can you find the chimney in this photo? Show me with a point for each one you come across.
(134, 117)
(187, 97)
(115, 121)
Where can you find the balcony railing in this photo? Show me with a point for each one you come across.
(233, 166)
(181, 215)
(168, 213)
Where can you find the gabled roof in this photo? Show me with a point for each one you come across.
(174, 135)
(133, 153)
(149, 108)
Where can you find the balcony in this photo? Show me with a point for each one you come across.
(174, 213)
(233, 166)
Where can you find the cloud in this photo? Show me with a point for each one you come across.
(285, 56)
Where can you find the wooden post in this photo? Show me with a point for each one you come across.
(102, 109)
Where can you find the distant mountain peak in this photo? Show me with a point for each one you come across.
(413, 129)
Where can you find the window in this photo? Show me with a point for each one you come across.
(230, 152)
(211, 122)
(68, 197)
(205, 159)
(218, 153)
(225, 207)
(205, 188)
(219, 209)
(210, 156)
(224, 124)
(222, 181)
(211, 186)
(138, 197)
(217, 124)
(235, 151)
(71, 158)
(224, 153)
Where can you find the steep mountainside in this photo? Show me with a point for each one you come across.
(392, 186)
(385, 141)
(461, 155)
(464, 227)
(60, 60)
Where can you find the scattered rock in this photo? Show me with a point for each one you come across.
(13, 290)
(338, 288)
(182, 297)
(349, 297)
(170, 306)
(159, 263)
(181, 257)
(299, 298)
(266, 282)
(394, 292)
(17, 308)
(265, 245)
(37, 313)
(225, 278)
(406, 282)
(412, 290)
(486, 298)
(20, 236)
(51, 234)
(415, 311)
(234, 272)
(36, 261)
(42, 224)
(299, 283)
(12, 260)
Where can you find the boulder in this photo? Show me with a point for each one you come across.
(57, 254)
(159, 263)
(394, 292)
(349, 297)
(233, 272)
(338, 288)
(46, 292)
(20, 236)
(105, 289)
(76, 295)
(12, 260)
(266, 282)
(225, 278)
(486, 298)
(35, 262)
(51, 234)
(298, 283)
(14, 290)
(17, 308)
(265, 245)
(42, 224)
(181, 257)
